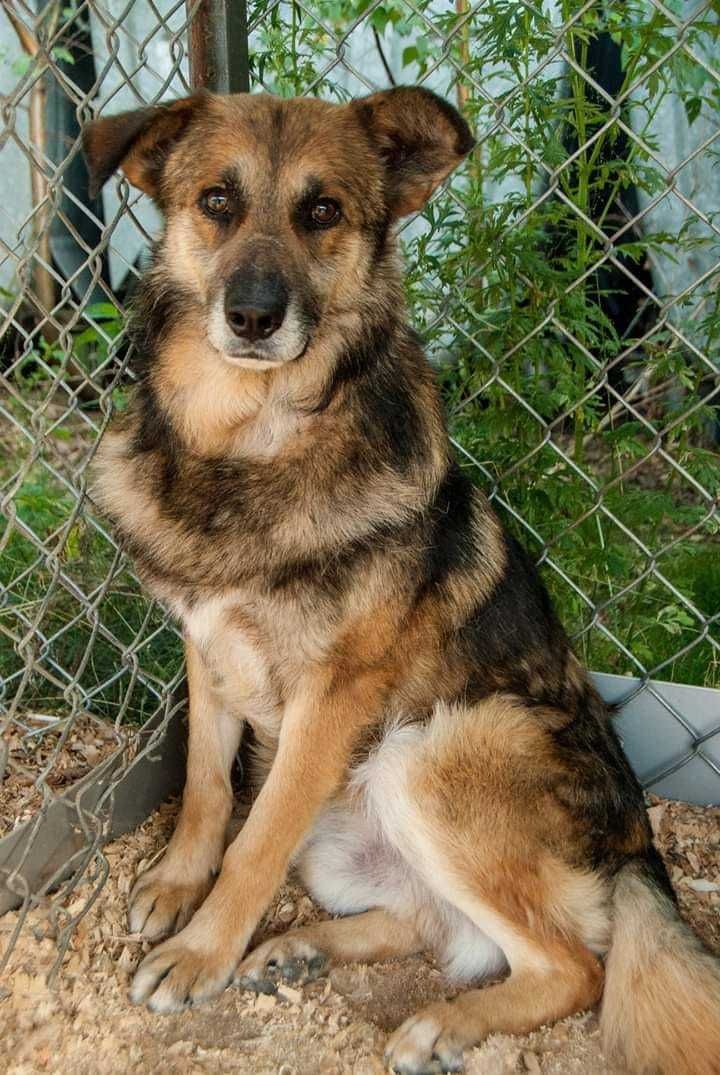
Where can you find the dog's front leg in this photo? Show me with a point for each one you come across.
(318, 731)
(165, 896)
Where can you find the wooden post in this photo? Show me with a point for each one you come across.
(218, 45)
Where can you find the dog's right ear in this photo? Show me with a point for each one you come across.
(137, 142)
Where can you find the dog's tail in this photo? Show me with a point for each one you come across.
(661, 1006)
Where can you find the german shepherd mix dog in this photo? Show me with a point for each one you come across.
(429, 753)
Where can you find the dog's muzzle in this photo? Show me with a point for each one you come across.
(255, 304)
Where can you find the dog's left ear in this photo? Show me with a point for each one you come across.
(421, 139)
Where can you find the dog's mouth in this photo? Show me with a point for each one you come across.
(259, 357)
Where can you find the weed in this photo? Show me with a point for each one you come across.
(582, 403)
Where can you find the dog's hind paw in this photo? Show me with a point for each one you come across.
(286, 958)
(425, 1044)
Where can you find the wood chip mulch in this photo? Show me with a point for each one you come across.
(35, 768)
(337, 1026)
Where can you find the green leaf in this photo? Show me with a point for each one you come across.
(60, 53)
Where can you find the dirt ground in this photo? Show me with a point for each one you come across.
(86, 1026)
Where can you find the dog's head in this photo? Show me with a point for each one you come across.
(277, 211)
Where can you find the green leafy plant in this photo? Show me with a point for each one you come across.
(75, 625)
(596, 439)
(597, 443)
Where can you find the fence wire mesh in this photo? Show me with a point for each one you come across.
(565, 282)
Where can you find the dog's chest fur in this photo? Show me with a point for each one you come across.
(255, 650)
(257, 636)
(194, 523)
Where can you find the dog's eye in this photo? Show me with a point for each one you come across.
(215, 202)
(324, 213)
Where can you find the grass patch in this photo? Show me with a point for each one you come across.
(76, 629)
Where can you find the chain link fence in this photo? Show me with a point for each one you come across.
(565, 282)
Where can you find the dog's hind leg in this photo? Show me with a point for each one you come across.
(304, 953)
(471, 805)
(546, 983)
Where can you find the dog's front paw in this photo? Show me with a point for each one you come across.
(179, 973)
(426, 1044)
(290, 957)
(160, 905)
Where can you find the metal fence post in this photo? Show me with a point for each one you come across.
(218, 45)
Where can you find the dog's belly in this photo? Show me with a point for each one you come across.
(354, 860)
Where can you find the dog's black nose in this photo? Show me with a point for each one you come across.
(255, 304)
(253, 322)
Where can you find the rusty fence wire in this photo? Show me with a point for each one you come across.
(565, 282)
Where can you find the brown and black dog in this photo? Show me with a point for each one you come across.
(429, 753)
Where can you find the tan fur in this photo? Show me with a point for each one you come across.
(529, 998)
(426, 749)
(208, 400)
(308, 768)
(364, 938)
(477, 773)
(165, 897)
(449, 799)
(661, 1008)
